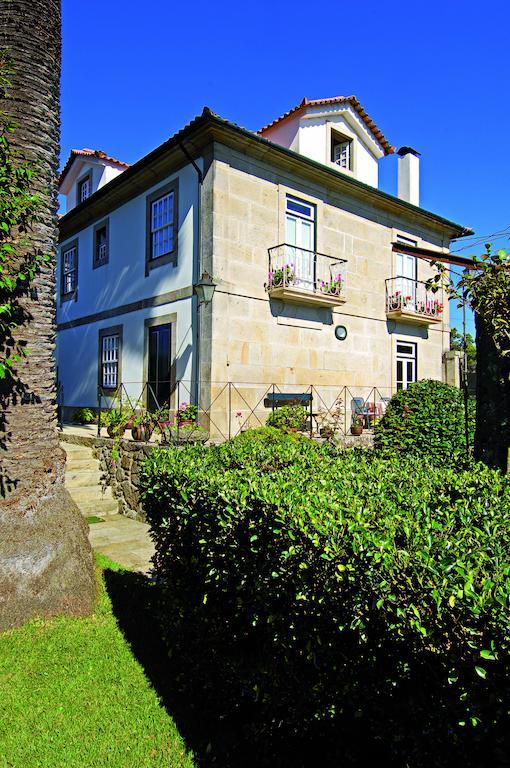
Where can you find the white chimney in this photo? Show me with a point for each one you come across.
(409, 175)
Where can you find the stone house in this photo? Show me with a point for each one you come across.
(320, 277)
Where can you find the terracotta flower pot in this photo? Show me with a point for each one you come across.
(186, 423)
(356, 430)
(141, 432)
(116, 430)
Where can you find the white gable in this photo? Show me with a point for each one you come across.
(313, 132)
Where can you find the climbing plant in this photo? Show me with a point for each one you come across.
(20, 210)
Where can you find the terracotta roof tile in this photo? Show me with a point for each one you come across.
(86, 152)
(352, 100)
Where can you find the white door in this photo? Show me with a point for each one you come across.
(406, 364)
(300, 241)
(406, 278)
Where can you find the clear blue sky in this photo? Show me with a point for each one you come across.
(432, 75)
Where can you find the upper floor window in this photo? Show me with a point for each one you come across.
(341, 151)
(162, 228)
(162, 209)
(69, 268)
(100, 244)
(84, 188)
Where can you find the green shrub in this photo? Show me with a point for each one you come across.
(426, 419)
(344, 600)
(84, 416)
(288, 417)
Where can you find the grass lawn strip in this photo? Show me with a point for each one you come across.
(73, 695)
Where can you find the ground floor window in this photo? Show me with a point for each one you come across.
(406, 364)
(110, 347)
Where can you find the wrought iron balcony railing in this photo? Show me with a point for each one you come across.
(413, 300)
(298, 274)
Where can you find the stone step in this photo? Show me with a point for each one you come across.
(83, 478)
(89, 493)
(80, 465)
(100, 508)
(76, 450)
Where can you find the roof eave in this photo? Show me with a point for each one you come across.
(209, 127)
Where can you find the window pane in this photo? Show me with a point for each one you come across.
(299, 207)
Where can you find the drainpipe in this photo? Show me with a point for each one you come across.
(200, 176)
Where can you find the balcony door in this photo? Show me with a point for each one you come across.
(300, 241)
(159, 366)
(406, 278)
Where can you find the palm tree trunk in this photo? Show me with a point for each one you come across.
(45, 558)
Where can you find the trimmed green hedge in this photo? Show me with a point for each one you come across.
(342, 603)
(426, 419)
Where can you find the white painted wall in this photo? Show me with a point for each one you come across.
(122, 281)
(78, 352)
(309, 134)
(285, 134)
(102, 173)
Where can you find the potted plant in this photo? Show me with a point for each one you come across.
(116, 421)
(84, 416)
(143, 427)
(357, 425)
(187, 415)
(277, 278)
(329, 419)
(333, 286)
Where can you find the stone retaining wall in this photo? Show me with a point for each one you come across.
(123, 474)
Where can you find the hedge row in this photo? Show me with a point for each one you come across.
(427, 419)
(341, 602)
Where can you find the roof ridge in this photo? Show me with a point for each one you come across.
(355, 103)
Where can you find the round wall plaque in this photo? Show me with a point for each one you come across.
(341, 332)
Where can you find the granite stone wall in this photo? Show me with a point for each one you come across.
(123, 474)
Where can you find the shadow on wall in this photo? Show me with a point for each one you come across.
(296, 312)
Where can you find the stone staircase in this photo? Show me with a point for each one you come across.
(83, 481)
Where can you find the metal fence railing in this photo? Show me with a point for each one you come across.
(189, 410)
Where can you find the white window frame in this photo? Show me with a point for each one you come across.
(69, 269)
(406, 354)
(162, 222)
(341, 151)
(84, 188)
(110, 358)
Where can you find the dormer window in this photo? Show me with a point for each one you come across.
(341, 151)
(84, 188)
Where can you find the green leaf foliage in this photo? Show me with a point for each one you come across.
(340, 599)
(20, 211)
(426, 419)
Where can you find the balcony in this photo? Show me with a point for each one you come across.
(302, 276)
(411, 301)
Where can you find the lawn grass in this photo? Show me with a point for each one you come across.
(72, 694)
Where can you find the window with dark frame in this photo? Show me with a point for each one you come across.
(100, 244)
(84, 188)
(69, 270)
(341, 151)
(110, 356)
